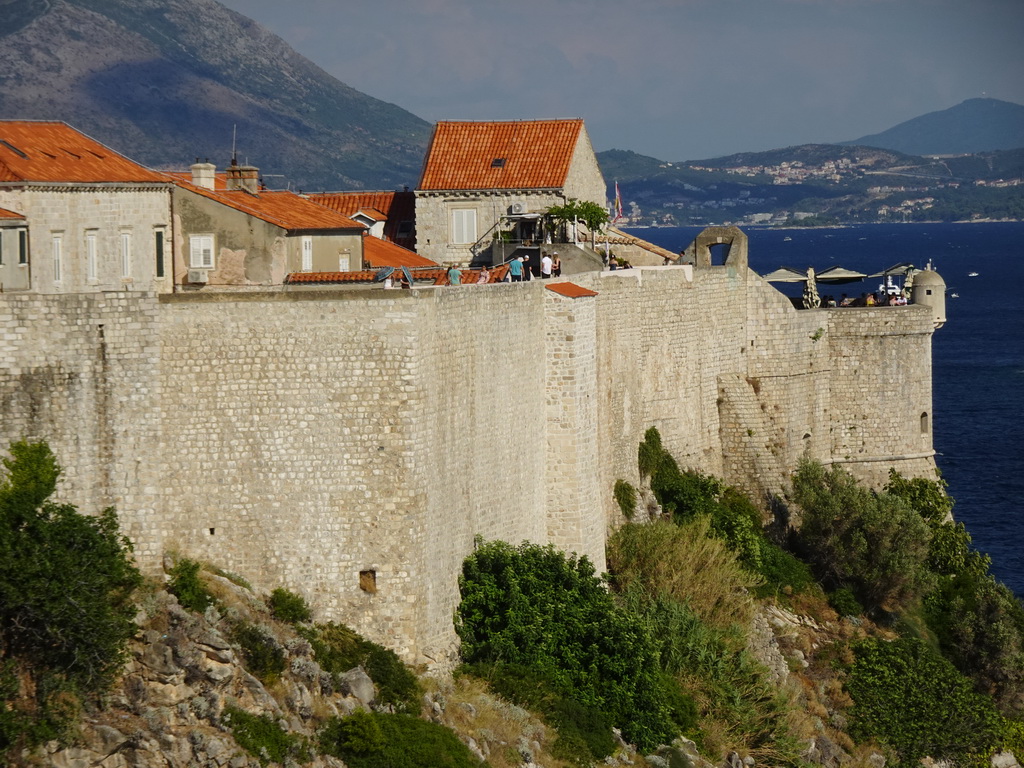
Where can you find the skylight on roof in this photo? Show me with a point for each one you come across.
(498, 162)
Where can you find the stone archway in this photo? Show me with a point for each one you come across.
(734, 240)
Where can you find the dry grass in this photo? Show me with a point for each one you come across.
(687, 564)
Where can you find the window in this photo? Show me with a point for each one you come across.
(58, 255)
(1, 247)
(90, 255)
(159, 247)
(126, 254)
(307, 253)
(200, 251)
(343, 262)
(23, 246)
(924, 423)
(464, 225)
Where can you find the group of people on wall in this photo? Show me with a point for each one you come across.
(866, 300)
(519, 270)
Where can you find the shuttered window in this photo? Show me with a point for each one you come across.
(307, 254)
(200, 251)
(464, 225)
(90, 256)
(126, 254)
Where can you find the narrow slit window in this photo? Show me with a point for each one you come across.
(368, 581)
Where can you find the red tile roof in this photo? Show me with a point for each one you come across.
(571, 290)
(5, 214)
(281, 207)
(381, 253)
(398, 207)
(35, 150)
(528, 154)
(438, 276)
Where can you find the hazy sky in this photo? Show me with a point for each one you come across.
(675, 79)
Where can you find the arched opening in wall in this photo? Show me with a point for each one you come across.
(924, 423)
(368, 581)
(719, 253)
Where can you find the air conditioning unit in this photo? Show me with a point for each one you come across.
(517, 208)
(197, 276)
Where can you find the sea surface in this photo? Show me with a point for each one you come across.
(977, 356)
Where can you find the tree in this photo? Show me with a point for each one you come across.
(66, 583)
(873, 543)
(590, 214)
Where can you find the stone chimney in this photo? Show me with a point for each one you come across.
(244, 177)
(203, 174)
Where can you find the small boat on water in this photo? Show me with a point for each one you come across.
(954, 295)
(972, 274)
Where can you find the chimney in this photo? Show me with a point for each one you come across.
(203, 174)
(244, 177)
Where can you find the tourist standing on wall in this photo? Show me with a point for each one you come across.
(515, 270)
(527, 273)
(454, 275)
(556, 265)
(545, 266)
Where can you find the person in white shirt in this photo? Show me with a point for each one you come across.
(545, 266)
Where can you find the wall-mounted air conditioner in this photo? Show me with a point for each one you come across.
(517, 208)
(197, 276)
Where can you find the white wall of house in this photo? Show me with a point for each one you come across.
(93, 238)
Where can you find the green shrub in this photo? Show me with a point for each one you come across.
(926, 497)
(625, 497)
(781, 569)
(910, 698)
(539, 608)
(264, 739)
(186, 585)
(375, 740)
(713, 664)
(262, 654)
(66, 610)
(584, 732)
(950, 552)
(289, 607)
(650, 454)
(980, 626)
(873, 544)
(339, 649)
(844, 603)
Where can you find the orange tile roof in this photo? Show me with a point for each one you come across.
(381, 253)
(398, 207)
(438, 276)
(362, 276)
(5, 214)
(36, 150)
(571, 290)
(281, 207)
(528, 154)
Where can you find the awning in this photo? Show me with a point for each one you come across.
(838, 275)
(786, 275)
(900, 270)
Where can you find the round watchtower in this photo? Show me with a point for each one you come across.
(929, 289)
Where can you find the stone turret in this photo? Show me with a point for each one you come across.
(929, 289)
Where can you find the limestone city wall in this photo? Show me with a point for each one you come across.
(260, 432)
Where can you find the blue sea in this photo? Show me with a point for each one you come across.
(978, 355)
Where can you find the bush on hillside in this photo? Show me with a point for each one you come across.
(980, 626)
(535, 606)
(263, 655)
(687, 564)
(339, 649)
(289, 607)
(910, 698)
(625, 497)
(376, 740)
(66, 586)
(262, 737)
(926, 497)
(874, 544)
(188, 587)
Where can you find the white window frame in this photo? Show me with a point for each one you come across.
(463, 223)
(159, 252)
(126, 254)
(91, 271)
(200, 251)
(1, 247)
(344, 262)
(57, 244)
(307, 253)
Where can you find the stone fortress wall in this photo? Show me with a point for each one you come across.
(258, 432)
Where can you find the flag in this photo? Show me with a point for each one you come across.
(618, 204)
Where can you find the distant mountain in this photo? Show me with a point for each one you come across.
(975, 125)
(167, 81)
